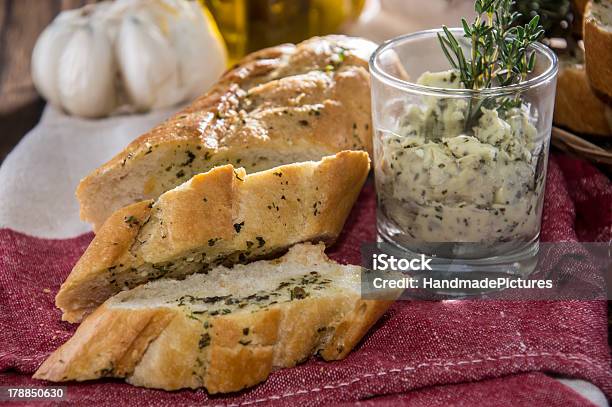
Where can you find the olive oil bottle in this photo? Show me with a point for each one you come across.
(249, 25)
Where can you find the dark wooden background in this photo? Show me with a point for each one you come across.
(21, 21)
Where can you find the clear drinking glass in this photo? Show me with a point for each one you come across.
(460, 174)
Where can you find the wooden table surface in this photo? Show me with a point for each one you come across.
(21, 21)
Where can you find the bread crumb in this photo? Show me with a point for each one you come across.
(46, 290)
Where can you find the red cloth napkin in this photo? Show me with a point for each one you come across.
(420, 353)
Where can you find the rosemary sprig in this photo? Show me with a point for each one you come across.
(499, 52)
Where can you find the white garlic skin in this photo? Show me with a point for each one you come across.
(45, 60)
(148, 64)
(86, 74)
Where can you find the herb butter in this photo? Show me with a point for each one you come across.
(440, 183)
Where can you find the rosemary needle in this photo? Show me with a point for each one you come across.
(499, 54)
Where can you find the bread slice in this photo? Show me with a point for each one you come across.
(576, 105)
(280, 105)
(226, 330)
(598, 45)
(222, 216)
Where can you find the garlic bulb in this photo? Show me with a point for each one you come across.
(127, 55)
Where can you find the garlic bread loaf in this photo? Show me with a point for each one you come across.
(577, 107)
(225, 330)
(284, 104)
(598, 45)
(222, 216)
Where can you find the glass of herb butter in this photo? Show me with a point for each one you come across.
(460, 150)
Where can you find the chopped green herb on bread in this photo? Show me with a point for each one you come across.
(224, 216)
(277, 106)
(225, 330)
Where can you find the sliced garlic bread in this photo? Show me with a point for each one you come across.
(280, 105)
(576, 105)
(225, 330)
(598, 45)
(222, 216)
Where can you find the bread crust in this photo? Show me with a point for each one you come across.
(576, 105)
(161, 346)
(222, 216)
(106, 342)
(598, 50)
(282, 102)
(164, 354)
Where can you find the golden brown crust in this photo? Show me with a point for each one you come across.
(108, 249)
(159, 348)
(107, 344)
(597, 47)
(162, 345)
(222, 216)
(353, 327)
(576, 106)
(231, 367)
(173, 360)
(187, 217)
(316, 112)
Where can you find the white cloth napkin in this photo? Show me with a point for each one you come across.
(39, 177)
